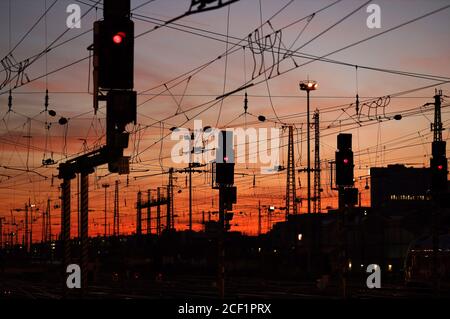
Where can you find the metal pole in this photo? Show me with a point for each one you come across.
(309, 153)
(149, 219)
(139, 214)
(49, 221)
(221, 248)
(259, 217)
(1, 232)
(31, 226)
(168, 223)
(43, 234)
(84, 209)
(26, 228)
(105, 209)
(158, 213)
(78, 206)
(190, 196)
(65, 229)
(105, 186)
(116, 210)
(435, 243)
(169, 220)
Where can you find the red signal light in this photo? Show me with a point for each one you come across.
(118, 37)
(345, 160)
(440, 167)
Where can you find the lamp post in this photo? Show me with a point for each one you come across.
(308, 86)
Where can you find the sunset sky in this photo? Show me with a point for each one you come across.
(171, 57)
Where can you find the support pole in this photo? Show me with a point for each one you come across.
(30, 242)
(139, 214)
(78, 206)
(65, 230)
(26, 228)
(149, 213)
(291, 195)
(158, 213)
(49, 220)
(84, 189)
(105, 186)
(1, 232)
(190, 196)
(317, 181)
(170, 217)
(221, 246)
(259, 218)
(308, 128)
(116, 210)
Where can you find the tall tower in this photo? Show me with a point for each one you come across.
(291, 198)
(436, 127)
(317, 191)
(438, 162)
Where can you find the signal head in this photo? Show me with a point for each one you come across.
(118, 37)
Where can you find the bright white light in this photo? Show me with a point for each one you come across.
(300, 236)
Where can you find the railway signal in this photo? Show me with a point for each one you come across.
(344, 161)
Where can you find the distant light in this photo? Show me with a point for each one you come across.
(300, 236)
(275, 251)
(259, 250)
(350, 265)
(272, 208)
(225, 158)
(362, 266)
(440, 167)
(389, 267)
(308, 85)
(345, 160)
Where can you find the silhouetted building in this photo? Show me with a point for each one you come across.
(400, 190)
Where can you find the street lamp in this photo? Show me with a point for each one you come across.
(308, 86)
